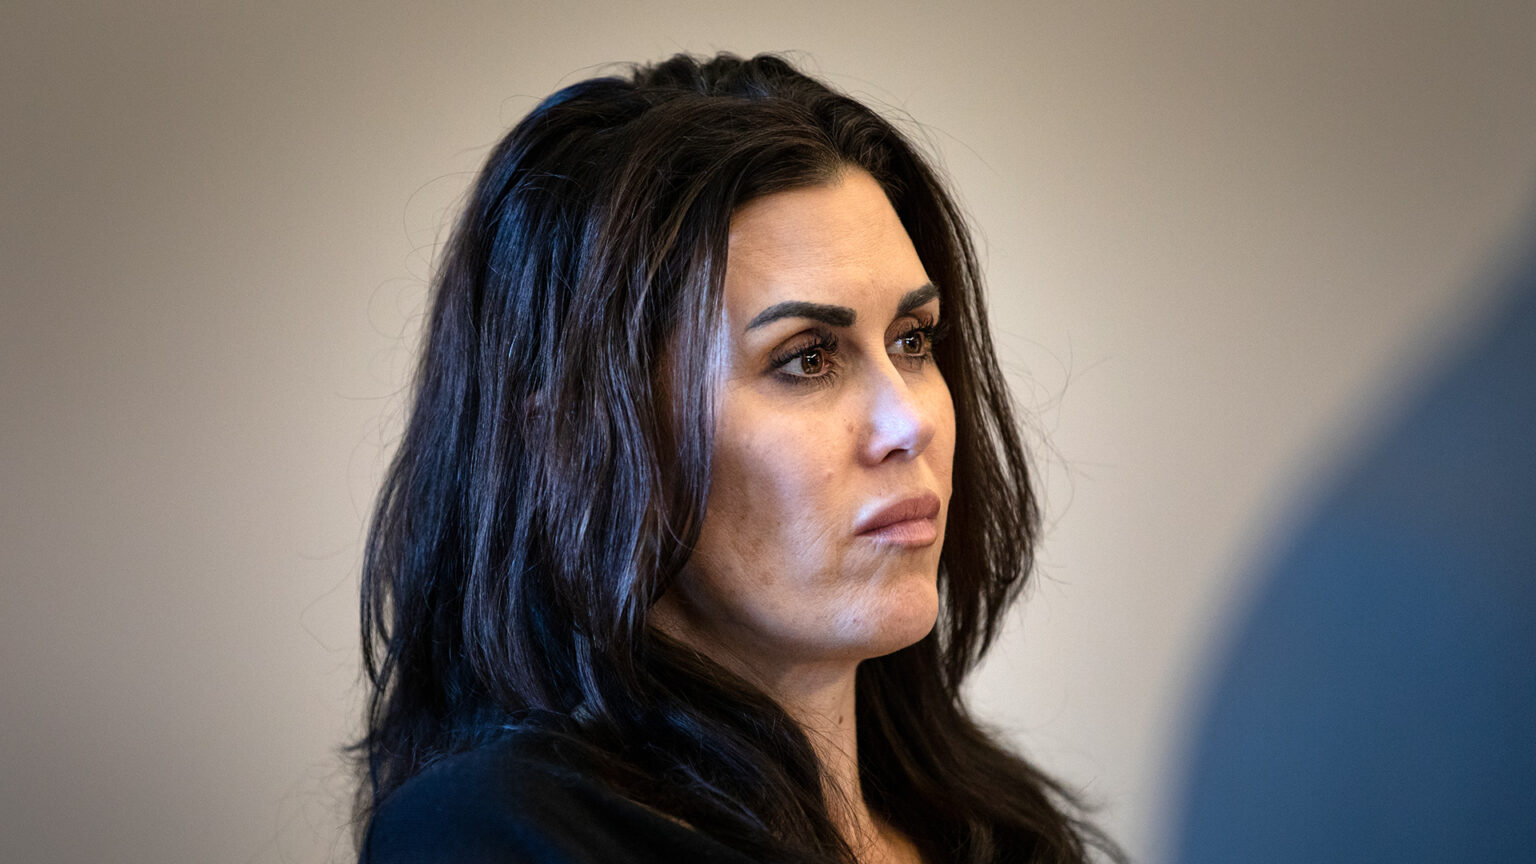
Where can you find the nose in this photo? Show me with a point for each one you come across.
(900, 420)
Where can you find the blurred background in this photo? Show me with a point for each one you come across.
(1223, 240)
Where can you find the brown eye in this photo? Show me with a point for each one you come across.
(811, 362)
(914, 344)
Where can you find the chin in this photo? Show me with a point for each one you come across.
(905, 618)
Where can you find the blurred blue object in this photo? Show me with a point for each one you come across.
(1379, 700)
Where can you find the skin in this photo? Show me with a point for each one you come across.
(812, 438)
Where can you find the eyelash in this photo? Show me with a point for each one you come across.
(817, 341)
(824, 343)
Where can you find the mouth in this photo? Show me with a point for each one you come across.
(912, 521)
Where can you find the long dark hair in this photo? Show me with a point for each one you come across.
(552, 476)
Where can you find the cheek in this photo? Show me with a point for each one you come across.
(769, 539)
(941, 451)
(769, 483)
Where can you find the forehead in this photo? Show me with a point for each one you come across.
(839, 242)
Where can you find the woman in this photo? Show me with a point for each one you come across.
(708, 434)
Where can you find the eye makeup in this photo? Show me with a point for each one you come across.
(913, 347)
(811, 358)
(808, 359)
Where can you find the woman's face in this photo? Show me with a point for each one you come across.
(833, 445)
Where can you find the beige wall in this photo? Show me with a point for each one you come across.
(1219, 236)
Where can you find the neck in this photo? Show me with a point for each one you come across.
(820, 698)
(822, 702)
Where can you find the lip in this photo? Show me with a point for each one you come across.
(911, 521)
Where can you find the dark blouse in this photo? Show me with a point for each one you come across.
(518, 800)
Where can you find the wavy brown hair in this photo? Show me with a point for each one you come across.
(552, 479)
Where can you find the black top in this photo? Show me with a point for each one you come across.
(518, 799)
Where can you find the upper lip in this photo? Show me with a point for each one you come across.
(922, 506)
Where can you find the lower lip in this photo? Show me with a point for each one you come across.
(913, 532)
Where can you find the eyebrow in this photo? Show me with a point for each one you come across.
(837, 316)
(916, 297)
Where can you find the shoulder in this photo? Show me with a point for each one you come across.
(522, 798)
(503, 801)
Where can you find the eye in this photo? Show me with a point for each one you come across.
(812, 359)
(913, 347)
(914, 343)
(812, 362)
